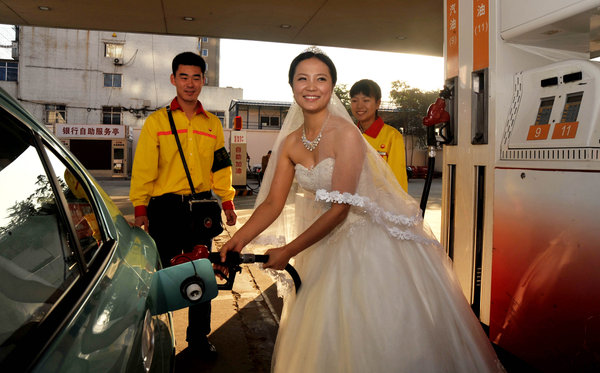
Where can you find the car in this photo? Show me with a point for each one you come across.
(75, 276)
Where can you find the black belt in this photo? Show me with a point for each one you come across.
(182, 198)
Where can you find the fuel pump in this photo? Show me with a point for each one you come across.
(437, 121)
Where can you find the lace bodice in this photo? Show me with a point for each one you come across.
(317, 181)
(317, 177)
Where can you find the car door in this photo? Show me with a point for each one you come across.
(74, 276)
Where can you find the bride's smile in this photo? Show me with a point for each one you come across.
(312, 85)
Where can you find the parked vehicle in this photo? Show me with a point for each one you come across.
(75, 277)
(416, 172)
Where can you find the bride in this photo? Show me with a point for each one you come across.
(378, 292)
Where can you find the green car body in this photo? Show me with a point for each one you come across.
(75, 276)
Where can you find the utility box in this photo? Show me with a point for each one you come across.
(239, 158)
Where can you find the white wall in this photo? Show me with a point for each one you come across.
(259, 142)
(218, 99)
(67, 67)
(9, 87)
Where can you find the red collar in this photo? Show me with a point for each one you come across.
(199, 109)
(375, 128)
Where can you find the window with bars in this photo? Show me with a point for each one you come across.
(112, 80)
(269, 121)
(220, 115)
(55, 114)
(111, 115)
(9, 71)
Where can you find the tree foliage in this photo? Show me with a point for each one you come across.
(343, 93)
(413, 104)
(40, 202)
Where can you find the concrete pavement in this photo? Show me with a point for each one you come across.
(245, 320)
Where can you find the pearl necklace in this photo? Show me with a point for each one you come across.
(312, 145)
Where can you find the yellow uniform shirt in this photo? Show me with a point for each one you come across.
(389, 143)
(157, 166)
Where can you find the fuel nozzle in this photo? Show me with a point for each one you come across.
(436, 113)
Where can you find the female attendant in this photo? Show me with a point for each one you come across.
(365, 99)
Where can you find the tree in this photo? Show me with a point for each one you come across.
(343, 93)
(40, 202)
(413, 104)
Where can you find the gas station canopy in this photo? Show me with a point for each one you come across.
(404, 26)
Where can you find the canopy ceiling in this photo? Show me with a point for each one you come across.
(405, 26)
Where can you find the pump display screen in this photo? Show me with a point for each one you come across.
(543, 116)
(571, 110)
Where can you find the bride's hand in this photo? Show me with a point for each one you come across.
(234, 244)
(278, 258)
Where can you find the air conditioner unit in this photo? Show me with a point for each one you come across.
(118, 61)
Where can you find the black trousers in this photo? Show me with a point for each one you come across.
(169, 226)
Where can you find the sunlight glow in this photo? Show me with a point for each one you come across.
(261, 68)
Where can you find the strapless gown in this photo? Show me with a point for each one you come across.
(370, 302)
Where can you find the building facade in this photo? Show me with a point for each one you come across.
(209, 49)
(94, 89)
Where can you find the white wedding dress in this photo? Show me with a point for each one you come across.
(378, 293)
(370, 302)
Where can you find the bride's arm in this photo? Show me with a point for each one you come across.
(269, 209)
(278, 258)
(349, 158)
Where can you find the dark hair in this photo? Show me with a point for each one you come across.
(367, 87)
(188, 58)
(307, 55)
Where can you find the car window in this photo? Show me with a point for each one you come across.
(37, 258)
(80, 208)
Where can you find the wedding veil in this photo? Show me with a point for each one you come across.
(376, 192)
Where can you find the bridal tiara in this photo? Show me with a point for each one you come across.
(314, 49)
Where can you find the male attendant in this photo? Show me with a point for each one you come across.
(160, 190)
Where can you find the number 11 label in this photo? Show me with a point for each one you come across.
(566, 130)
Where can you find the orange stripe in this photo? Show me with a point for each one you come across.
(169, 132)
(185, 131)
(205, 134)
(481, 34)
(451, 38)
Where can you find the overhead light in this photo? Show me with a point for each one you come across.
(401, 37)
(285, 25)
(43, 8)
(188, 18)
